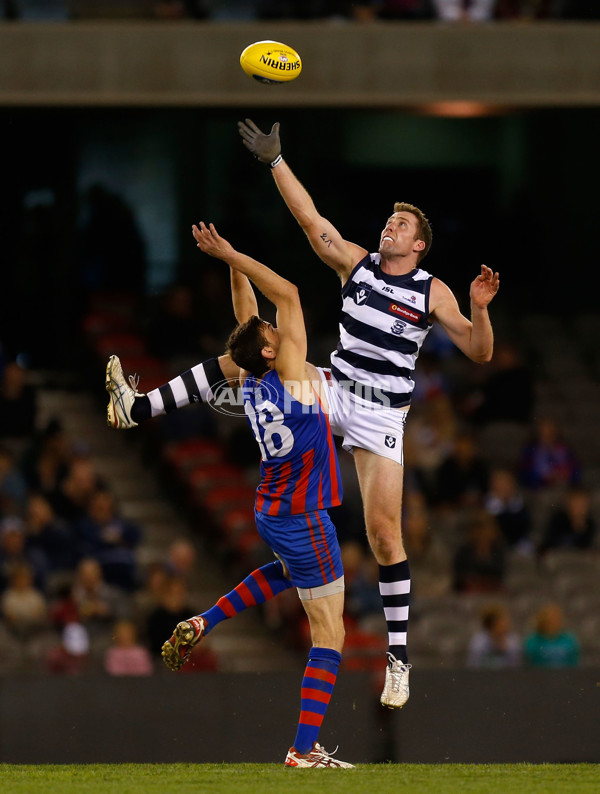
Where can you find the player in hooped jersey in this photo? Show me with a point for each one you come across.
(300, 479)
(389, 304)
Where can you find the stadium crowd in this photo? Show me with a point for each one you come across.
(361, 11)
(73, 595)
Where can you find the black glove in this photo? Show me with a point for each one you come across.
(265, 148)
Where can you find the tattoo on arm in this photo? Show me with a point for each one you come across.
(326, 239)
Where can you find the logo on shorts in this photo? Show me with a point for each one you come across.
(398, 327)
(361, 294)
(390, 442)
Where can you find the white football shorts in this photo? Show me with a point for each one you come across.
(364, 424)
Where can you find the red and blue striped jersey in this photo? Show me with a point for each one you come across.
(299, 467)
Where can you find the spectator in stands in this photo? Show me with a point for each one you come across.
(13, 487)
(73, 497)
(71, 656)
(179, 9)
(299, 9)
(154, 582)
(571, 525)
(174, 607)
(126, 656)
(47, 461)
(429, 441)
(465, 10)
(529, 9)
(365, 599)
(495, 646)
(49, 536)
(433, 381)
(547, 460)
(14, 551)
(506, 503)
(430, 559)
(497, 397)
(407, 10)
(353, 554)
(461, 480)
(98, 603)
(63, 607)
(549, 645)
(22, 605)
(102, 533)
(479, 563)
(181, 559)
(18, 403)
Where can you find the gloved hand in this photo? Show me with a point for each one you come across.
(265, 148)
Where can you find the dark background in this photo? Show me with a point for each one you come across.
(517, 191)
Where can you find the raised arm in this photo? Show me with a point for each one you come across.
(475, 337)
(291, 356)
(325, 239)
(243, 298)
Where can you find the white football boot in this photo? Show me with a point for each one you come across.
(317, 758)
(395, 690)
(122, 395)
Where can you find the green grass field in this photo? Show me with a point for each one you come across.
(274, 779)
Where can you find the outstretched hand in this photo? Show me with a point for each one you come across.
(484, 287)
(209, 241)
(265, 148)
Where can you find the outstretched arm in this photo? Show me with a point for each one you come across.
(325, 239)
(475, 337)
(280, 291)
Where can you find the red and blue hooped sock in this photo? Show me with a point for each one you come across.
(317, 686)
(259, 586)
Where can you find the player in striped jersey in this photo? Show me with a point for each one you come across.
(300, 479)
(389, 304)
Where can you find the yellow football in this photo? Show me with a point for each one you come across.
(271, 62)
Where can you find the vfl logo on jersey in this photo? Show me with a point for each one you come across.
(361, 293)
(398, 327)
(390, 442)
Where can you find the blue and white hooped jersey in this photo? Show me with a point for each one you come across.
(299, 468)
(382, 328)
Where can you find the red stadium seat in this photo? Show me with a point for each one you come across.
(152, 372)
(122, 344)
(186, 455)
(97, 323)
(223, 498)
(207, 477)
(364, 651)
(238, 520)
